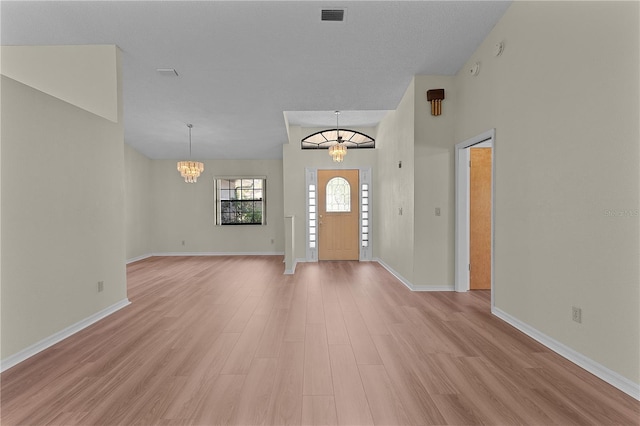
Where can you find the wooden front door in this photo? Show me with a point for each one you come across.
(338, 212)
(480, 219)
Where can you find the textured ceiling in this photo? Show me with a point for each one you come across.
(242, 64)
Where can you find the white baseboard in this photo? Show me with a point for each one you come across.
(295, 263)
(408, 284)
(43, 344)
(625, 385)
(293, 268)
(432, 288)
(137, 258)
(216, 253)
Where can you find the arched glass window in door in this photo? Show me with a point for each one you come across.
(338, 195)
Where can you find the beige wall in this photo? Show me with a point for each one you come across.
(394, 187)
(184, 212)
(417, 244)
(80, 75)
(563, 98)
(434, 185)
(62, 212)
(138, 209)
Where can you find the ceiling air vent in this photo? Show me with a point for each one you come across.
(333, 15)
(170, 72)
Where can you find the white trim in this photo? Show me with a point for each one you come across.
(289, 244)
(293, 268)
(310, 178)
(47, 342)
(295, 263)
(485, 144)
(461, 231)
(216, 253)
(461, 269)
(625, 385)
(217, 214)
(137, 258)
(433, 288)
(364, 176)
(395, 274)
(408, 284)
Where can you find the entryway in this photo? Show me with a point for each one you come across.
(334, 241)
(338, 215)
(474, 213)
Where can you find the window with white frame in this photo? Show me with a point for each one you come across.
(311, 208)
(240, 201)
(364, 195)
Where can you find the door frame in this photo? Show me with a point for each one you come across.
(364, 177)
(462, 230)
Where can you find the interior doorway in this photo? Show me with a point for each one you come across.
(338, 215)
(475, 206)
(480, 217)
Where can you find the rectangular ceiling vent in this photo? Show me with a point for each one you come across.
(170, 72)
(332, 15)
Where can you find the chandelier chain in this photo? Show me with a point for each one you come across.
(339, 150)
(189, 126)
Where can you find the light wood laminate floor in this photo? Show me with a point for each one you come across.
(231, 340)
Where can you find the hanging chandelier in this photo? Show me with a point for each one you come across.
(190, 170)
(339, 150)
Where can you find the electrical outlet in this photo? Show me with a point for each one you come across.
(273, 241)
(576, 314)
(100, 286)
(400, 211)
(437, 211)
(182, 242)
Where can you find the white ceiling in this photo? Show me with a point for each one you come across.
(242, 64)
